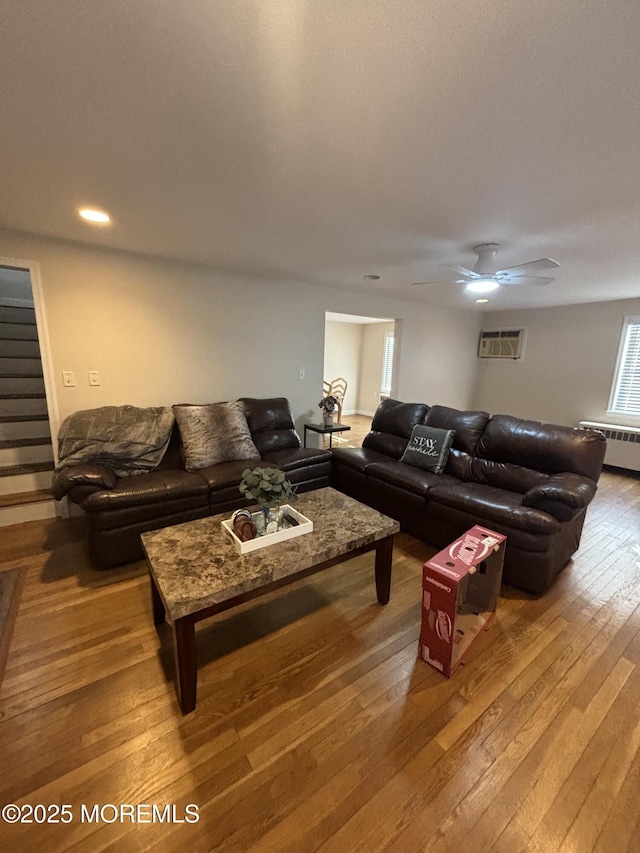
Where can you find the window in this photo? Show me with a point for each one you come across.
(387, 364)
(625, 394)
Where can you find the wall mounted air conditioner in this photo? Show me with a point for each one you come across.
(502, 343)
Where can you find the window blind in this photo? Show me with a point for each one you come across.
(387, 363)
(625, 398)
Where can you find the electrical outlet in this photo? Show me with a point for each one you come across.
(68, 379)
(301, 373)
(94, 377)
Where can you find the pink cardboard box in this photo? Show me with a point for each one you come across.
(460, 589)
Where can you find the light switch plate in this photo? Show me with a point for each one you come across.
(94, 377)
(68, 379)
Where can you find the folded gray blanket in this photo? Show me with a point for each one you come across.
(126, 439)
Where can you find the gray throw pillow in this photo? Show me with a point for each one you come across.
(428, 448)
(217, 432)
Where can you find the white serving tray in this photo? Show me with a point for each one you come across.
(304, 526)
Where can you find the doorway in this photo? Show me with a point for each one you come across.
(26, 450)
(364, 352)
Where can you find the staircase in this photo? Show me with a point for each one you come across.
(26, 453)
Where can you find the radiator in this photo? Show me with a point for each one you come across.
(623, 444)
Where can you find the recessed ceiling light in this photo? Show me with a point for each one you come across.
(482, 285)
(92, 214)
(480, 301)
(372, 277)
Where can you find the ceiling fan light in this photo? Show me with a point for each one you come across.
(94, 215)
(482, 285)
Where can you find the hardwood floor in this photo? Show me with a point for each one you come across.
(360, 426)
(317, 729)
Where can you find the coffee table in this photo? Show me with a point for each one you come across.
(196, 572)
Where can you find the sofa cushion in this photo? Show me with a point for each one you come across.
(440, 517)
(459, 464)
(299, 457)
(170, 511)
(392, 425)
(407, 477)
(505, 475)
(229, 473)
(154, 487)
(357, 458)
(549, 448)
(468, 426)
(213, 433)
(311, 476)
(271, 423)
(428, 448)
(394, 500)
(492, 504)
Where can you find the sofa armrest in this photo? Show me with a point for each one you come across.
(562, 495)
(96, 476)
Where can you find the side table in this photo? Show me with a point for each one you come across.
(324, 430)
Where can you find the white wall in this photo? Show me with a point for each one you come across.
(342, 350)
(161, 332)
(568, 366)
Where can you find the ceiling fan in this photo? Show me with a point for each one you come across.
(484, 277)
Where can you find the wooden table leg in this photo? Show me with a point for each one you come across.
(158, 607)
(384, 559)
(184, 648)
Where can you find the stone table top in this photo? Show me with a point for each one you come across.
(195, 565)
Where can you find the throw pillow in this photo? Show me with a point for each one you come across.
(217, 432)
(428, 448)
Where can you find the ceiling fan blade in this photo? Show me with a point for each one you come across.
(443, 281)
(531, 266)
(521, 279)
(472, 274)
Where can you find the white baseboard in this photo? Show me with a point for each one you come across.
(358, 412)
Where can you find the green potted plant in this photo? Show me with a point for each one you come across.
(269, 488)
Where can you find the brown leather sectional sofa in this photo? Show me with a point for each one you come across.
(528, 480)
(119, 509)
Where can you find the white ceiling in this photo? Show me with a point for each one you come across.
(322, 140)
